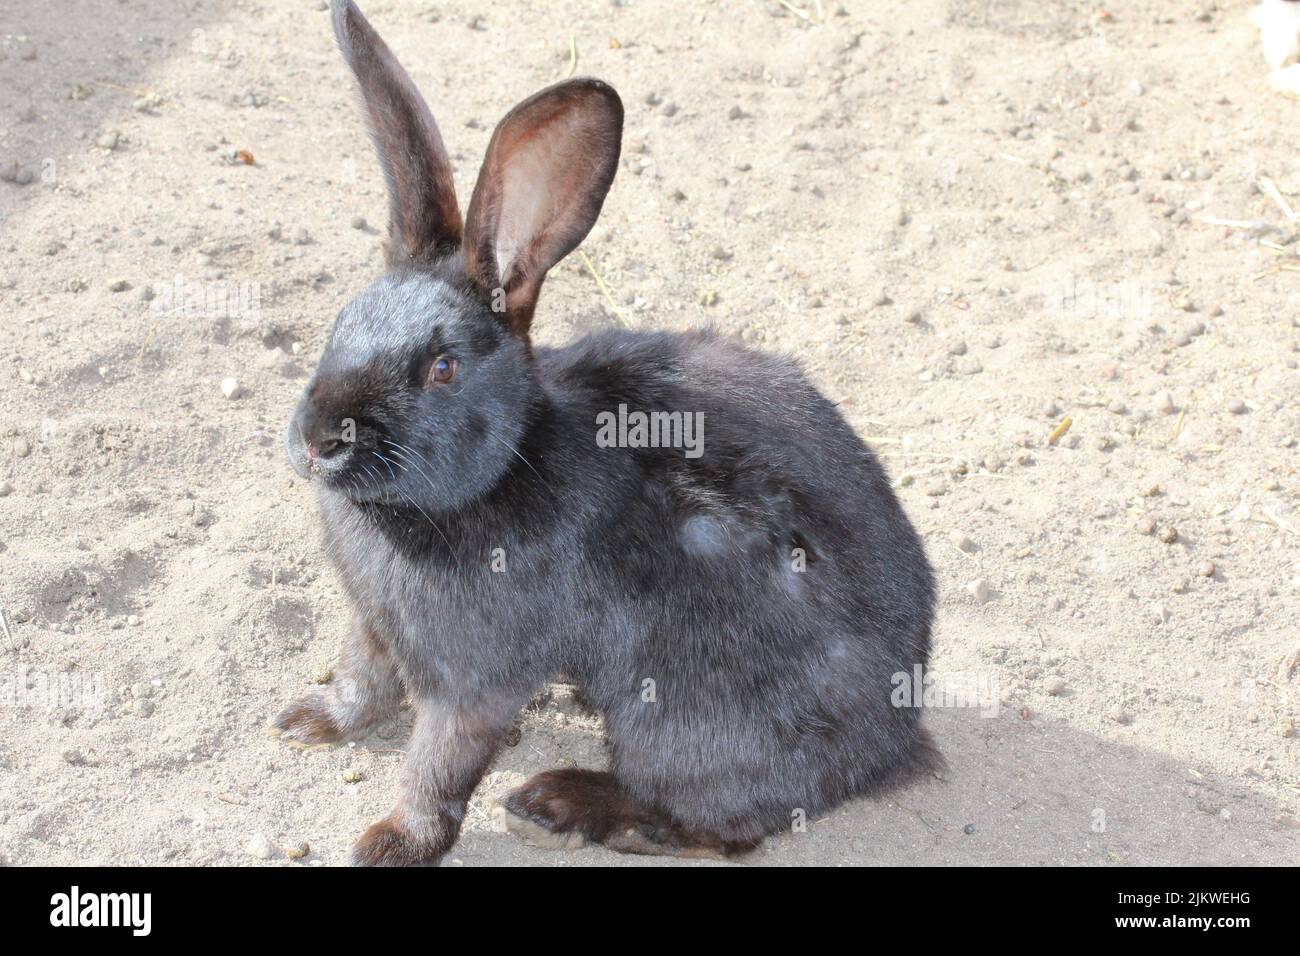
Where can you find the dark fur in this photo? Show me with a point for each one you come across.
(772, 687)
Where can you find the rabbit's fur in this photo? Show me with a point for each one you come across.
(738, 618)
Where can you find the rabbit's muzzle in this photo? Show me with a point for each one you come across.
(315, 444)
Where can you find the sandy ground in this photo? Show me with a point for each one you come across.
(968, 220)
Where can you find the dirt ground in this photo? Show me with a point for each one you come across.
(968, 220)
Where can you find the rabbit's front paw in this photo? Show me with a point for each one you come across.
(388, 843)
(308, 720)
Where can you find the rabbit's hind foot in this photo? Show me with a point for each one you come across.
(564, 809)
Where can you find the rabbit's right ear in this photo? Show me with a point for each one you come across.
(424, 221)
(547, 170)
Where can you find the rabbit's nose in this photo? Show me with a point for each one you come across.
(323, 447)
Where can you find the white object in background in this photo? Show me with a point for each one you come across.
(1279, 31)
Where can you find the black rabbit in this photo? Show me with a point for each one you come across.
(738, 608)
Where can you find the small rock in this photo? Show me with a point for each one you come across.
(968, 829)
(1207, 569)
(1160, 612)
(6, 489)
(132, 620)
(298, 851)
(230, 388)
(358, 222)
(1118, 714)
(260, 847)
(1168, 534)
(119, 285)
(936, 488)
(1237, 407)
(1054, 685)
(979, 589)
(1286, 727)
(108, 139)
(74, 757)
(142, 708)
(1146, 525)
(1164, 403)
(22, 447)
(352, 776)
(961, 542)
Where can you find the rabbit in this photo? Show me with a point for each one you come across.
(739, 616)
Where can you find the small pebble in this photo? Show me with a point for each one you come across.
(6, 489)
(358, 222)
(979, 589)
(107, 139)
(119, 285)
(1146, 525)
(1237, 407)
(352, 776)
(230, 388)
(1164, 403)
(1207, 569)
(260, 847)
(22, 447)
(1168, 534)
(1054, 685)
(961, 542)
(968, 829)
(297, 852)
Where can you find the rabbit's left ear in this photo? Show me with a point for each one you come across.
(547, 170)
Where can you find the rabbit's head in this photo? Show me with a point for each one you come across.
(425, 385)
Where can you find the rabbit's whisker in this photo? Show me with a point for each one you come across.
(515, 451)
(386, 462)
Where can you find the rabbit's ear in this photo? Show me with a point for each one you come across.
(423, 219)
(545, 176)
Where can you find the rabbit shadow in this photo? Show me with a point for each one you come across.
(1014, 791)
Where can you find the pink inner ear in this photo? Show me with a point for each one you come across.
(537, 186)
(548, 168)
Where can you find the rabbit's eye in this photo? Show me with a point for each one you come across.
(442, 370)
